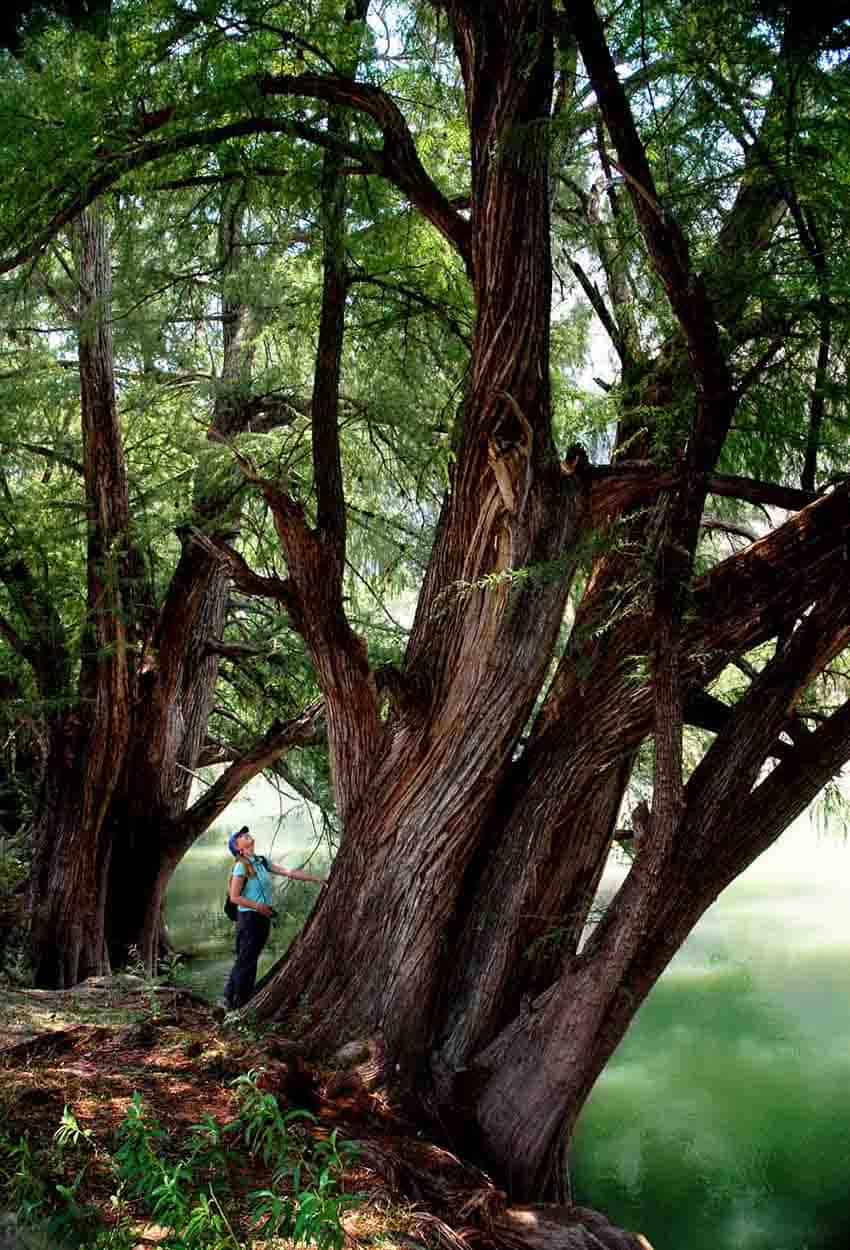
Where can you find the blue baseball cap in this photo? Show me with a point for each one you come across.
(231, 841)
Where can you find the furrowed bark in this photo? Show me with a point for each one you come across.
(714, 406)
(484, 627)
(71, 854)
(180, 666)
(555, 1051)
(178, 670)
(527, 905)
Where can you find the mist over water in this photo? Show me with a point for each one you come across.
(723, 1120)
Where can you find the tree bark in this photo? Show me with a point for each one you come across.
(464, 854)
(178, 670)
(87, 745)
(472, 680)
(478, 810)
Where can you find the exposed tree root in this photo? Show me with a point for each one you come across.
(416, 1194)
(455, 1205)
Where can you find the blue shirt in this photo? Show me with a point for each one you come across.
(258, 888)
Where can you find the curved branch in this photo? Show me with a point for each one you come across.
(302, 730)
(617, 487)
(722, 781)
(665, 242)
(242, 575)
(48, 453)
(398, 160)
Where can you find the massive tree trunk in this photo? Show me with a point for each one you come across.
(178, 669)
(121, 751)
(430, 779)
(87, 744)
(175, 696)
(454, 918)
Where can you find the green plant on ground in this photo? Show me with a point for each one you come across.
(70, 1134)
(208, 1152)
(209, 1219)
(24, 1189)
(48, 1208)
(173, 970)
(309, 1209)
(183, 1186)
(135, 1160)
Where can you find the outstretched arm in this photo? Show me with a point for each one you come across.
(295, 874)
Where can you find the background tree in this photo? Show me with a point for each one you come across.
(178, 307)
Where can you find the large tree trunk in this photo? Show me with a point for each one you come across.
(179, 665)
(470, 683)
(454, 916)
(170, 725)
(123, 758)
(476, 831)
(87, 745)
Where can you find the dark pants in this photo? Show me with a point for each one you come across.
(252, 933)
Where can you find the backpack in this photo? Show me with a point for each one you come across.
(230, 908)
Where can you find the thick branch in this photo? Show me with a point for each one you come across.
(327, 456)
(788, 790)
(616, 488)
(242, 575)
(302, 730)
(667, 247)
(398, 161)
(570, 779)
(724, 777)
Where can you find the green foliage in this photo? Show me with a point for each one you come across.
(38, 1199)
(311, 1212)
(70, 1134)
(135, 1158)
(184, 1185)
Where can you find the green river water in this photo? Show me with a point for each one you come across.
(723, 1121)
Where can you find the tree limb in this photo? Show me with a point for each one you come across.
(37, 449)
(619, 486)
(398, 160)
(242, 575)
(302, 730)
(730, 527)
(599, 307)
(665, 242)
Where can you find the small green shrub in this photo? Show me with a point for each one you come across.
(311, 1169)
(187, 1188)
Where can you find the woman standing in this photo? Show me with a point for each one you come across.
(251, 892)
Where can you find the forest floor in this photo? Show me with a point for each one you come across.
(92, 1049)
